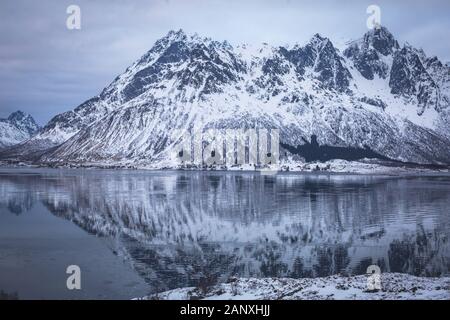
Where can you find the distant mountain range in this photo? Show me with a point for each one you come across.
(375, 93)
(17, 128)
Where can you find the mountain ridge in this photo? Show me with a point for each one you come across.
(376, 93)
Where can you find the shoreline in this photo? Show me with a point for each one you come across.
(335, 167)
(394, 286)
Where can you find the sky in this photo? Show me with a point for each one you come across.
(46, 68)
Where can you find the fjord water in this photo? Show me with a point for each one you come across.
(137, 232)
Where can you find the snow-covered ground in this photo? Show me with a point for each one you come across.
(394, 286)
(364, 166)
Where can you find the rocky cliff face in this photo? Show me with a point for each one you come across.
(377, 94)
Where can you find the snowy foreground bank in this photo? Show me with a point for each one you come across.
(395, 286)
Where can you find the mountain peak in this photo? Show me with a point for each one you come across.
(24, 121)
(318, 36)
(320, 43)
(367, 52)
(181, 35)
(380, 31)
(176, 35)
(381, 40)
(317, 39)
(18, 127)
(19, 116)
(408, 49)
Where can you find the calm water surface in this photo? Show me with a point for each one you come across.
(136, 232)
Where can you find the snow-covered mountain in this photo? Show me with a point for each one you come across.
(376, 93)
(17, 128)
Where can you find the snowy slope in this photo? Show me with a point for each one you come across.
(376, 93)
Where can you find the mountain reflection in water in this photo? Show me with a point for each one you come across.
(178, 228)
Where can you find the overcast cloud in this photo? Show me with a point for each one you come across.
(46, 69)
